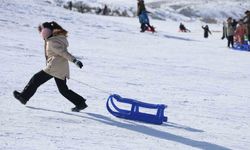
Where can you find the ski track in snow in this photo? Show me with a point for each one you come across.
(205, 85)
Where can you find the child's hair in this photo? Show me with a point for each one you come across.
(57, 29)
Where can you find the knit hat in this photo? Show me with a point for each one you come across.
(47, 25)
(51, 25)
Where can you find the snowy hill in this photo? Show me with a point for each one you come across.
(210, 11)
(205, 85)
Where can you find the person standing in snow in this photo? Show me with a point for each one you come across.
(240, 32)
(206, 31)
(70, 5)
(234, 24)
(224, 30)
(105, 10)
(246, 21)
(143, 17)
(230, 33)
(57, 66)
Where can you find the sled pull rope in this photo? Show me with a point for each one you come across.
(92, 87)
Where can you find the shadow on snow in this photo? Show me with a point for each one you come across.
(177, 38)
(147, 130)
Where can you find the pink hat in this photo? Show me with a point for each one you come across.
(46, 33)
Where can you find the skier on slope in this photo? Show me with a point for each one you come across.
(57, 66)
(143, 17)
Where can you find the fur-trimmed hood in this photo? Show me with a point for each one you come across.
(57, 32)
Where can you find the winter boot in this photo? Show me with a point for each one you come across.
(19, 97)
(143, 27)
(79, 108)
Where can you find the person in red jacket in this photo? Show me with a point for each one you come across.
(240, 32)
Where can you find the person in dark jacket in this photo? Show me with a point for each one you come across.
(234, 24)
(70, 5)
(246, 21)
(105, 10)
(57, 67)
(206, 31)
(143, 17)
(182, 28)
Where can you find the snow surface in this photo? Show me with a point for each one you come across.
(205, 85)
(181, 10)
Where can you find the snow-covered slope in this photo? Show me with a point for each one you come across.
(210, 11)
(205, 85)
(206, 10)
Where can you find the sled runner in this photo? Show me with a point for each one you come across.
(134, 113)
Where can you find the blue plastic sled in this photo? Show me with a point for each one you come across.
(242, 47)
(134, 113)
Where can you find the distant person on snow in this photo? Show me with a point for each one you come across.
(230, 33)
(143, 17)
(70, 5)
(240, 32)
(234, 24)
(206, 31)
(183, 28)
(57, 66)
(246, 21)
(105, 10)
(224, 30)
